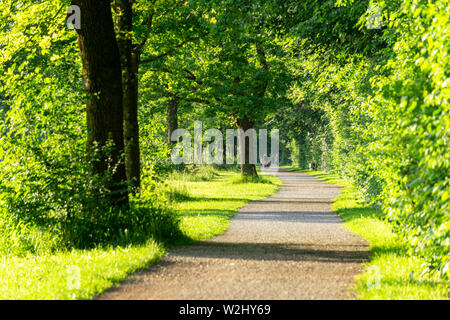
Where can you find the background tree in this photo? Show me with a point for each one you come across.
(149, 31)
(239, 71)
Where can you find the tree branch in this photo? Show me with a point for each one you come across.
(173, 49)
(149, 23)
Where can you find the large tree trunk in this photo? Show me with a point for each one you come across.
(130, 56)
(103, 84)
(247, 169)
(172, 117)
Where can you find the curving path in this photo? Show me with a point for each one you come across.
(288, 246)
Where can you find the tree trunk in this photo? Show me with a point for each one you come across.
(131, 125)
(172, 117)
(103, 84)
(130, 56)
(247, 169)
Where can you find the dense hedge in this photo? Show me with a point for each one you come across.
(410, 120)
(387, 121)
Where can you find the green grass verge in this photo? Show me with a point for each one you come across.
(76, 274)
(205, 208)
(208, 206)
(391, 273)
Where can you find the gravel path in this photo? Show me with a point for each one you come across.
(288, 246)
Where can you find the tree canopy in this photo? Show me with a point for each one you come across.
(359, 88)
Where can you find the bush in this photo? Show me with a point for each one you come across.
(411, 124)
(19, 238)
(387, 117)
(75, 211)
(250, 179)
(194, 174)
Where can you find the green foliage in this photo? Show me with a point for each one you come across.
(369, 104)
(295, 154)
(386, 116)
(194, 173)
(154, 150)
(19, 238)
(412, 157)
(49, 197)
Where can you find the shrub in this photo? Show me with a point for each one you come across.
(194, 174)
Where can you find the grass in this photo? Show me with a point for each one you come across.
(205, 202)
(391, 272)
(194, 174)
(76, 274)
(211, 204)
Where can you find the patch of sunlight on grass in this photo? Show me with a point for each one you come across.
(77, 274)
